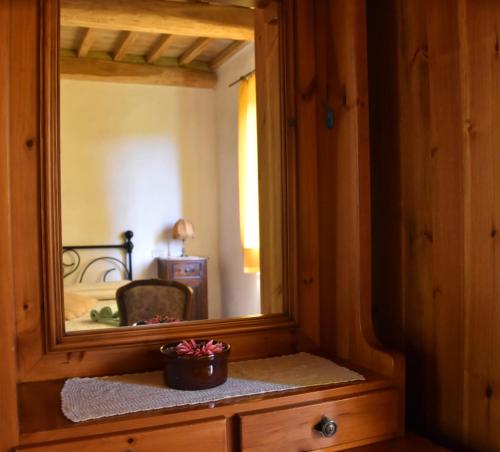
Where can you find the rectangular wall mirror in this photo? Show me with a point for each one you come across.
(172, 168)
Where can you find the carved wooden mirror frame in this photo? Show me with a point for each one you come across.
(56, 339)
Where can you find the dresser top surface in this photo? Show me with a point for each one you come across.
(42, 418)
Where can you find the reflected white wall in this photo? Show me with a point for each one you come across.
(140, 157)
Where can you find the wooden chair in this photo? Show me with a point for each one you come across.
(144, 299)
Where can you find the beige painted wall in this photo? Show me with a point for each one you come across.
(240, 291)
(139, 157)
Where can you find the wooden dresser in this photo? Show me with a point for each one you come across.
(362, 412)
(191, 271)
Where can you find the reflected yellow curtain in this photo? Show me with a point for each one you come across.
(248, 175)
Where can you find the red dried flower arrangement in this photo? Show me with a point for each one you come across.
(162, 319)
(193, 348)
(157, 319)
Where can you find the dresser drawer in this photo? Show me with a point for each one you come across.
(292, 429)
(187, 270)
(209, 436)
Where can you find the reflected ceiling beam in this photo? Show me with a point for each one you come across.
(126, 42)
(87, 41)
(194, 50)
(148, 74)
(159, 48)
(227, 53)
(161, 16)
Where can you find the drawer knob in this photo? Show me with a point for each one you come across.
(327, 427)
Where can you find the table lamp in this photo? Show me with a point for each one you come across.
(183, 229)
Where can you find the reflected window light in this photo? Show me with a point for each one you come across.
(248, 175)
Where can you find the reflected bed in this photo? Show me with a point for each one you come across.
(91, 280)
(87, 298)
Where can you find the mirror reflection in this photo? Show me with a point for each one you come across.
(160, 168)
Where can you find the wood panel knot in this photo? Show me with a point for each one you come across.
(30, 143)
(307, 94)
(436, 292)
(493, 232)
(360, 102)
(497, 45)
(344, 96)
(307, 280)
(422, 52)
(470, 127)
(434, 151)
(429, 237)
(488, 392)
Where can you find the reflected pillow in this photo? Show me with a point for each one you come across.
(76, 305)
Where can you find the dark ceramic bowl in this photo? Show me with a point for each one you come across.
(193, 373)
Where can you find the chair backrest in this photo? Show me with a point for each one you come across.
(144, 299)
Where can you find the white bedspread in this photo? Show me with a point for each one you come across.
(86, 323)
(101, 291)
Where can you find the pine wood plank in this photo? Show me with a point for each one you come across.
(25, 196)
(307, 167)
(8, 376)
(446, 301)
(448, 133)
(271, 157)
(480, 22)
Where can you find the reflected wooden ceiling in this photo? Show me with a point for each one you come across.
(161, 42)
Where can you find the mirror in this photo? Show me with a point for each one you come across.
(171, 163)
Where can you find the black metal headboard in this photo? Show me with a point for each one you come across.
(126, 264)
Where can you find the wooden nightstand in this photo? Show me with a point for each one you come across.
(191, 271)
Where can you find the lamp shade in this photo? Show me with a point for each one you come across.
(183, 229)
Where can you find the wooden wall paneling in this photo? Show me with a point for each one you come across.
(448, 144)
(8, 376)
(432, 193)
(447, 228)
(480, 25)
(305, 123)
(344, 189)
(417, 212)
(385, 174)
(25, 201)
